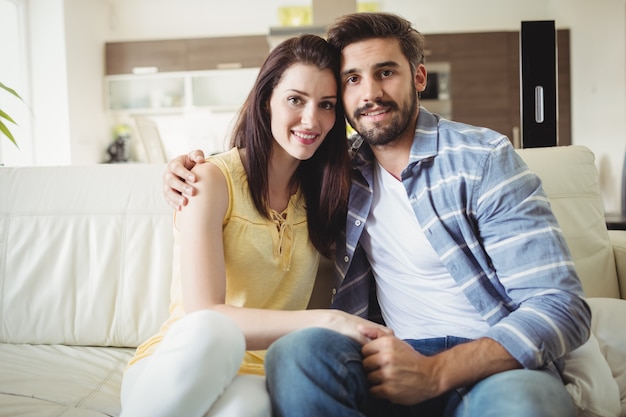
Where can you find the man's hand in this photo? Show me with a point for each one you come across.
(398, 373)
(178, 177)
(403, 376)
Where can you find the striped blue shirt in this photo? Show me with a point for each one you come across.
(488, 219)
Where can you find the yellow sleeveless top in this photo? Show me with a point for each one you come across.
(270, 264)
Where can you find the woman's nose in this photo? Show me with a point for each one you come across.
(308, 116)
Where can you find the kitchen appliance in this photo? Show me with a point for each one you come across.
(436, 97)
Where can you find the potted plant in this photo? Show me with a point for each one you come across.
(4, 117)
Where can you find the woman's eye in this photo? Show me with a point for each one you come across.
(294, 100)
(327, 105)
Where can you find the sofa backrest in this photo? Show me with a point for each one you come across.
(85, 254)
(86, 251)
(570, 179)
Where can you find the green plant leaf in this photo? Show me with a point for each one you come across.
(3, 128)
(7, 133)
(6, 116)
(10, 90)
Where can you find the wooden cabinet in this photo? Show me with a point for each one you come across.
(164, 56)
(482, 83)
(227, 52)
(186, 54)
(485, 79)
(436, 48)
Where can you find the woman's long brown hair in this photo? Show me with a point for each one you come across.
(325, 177)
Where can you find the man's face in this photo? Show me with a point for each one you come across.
(379, 91)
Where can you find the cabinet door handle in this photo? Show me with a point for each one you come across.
(539, 104)
(145, 70)
(229, 65)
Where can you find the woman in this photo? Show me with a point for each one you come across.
(250, 242)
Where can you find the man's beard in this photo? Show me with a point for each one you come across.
(378, 135)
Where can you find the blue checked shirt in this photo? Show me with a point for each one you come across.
(487, 217)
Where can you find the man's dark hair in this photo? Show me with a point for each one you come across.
(357, 27)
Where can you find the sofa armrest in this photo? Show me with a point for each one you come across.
(618, 240)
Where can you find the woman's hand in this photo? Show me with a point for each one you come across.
(359, 329)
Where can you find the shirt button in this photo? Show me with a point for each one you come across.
(346, 259)
(357, 223)
(334, 291)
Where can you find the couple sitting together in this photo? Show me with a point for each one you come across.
(454, 291)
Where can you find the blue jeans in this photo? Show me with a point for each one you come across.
(317, 372)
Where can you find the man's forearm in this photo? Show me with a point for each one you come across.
(471, 362)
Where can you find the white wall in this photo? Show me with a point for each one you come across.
(598, 55)
(599, 86)
(85, 29)
(49, 74)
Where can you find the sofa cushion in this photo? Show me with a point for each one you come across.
(87, 264)
(570, 179)
(72, 381)
(608, 323)
(589, 381)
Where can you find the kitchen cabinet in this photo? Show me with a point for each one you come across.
(227, 52)
(436, 48)
(182, 94)
(162, 56)
(186, 54)
(173, 75)
(485, 79)
(147, 92)
(219, 90)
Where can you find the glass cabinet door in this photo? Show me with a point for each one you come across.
(222, 89)
(165, 91)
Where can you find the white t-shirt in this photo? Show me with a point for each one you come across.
(418, 297)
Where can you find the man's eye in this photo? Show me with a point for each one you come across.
(386, 73)
(351, 80)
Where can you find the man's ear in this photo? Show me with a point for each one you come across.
(420, 78)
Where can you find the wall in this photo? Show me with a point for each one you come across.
(85, 31)
(598, 53)
(66, 69)
(49, 67)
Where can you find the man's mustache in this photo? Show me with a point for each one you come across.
(390, 105)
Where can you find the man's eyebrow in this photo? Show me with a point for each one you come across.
(386, 64)
(378, 65)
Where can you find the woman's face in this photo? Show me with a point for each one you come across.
(302, 109)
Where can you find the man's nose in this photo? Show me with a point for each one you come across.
(372, 89)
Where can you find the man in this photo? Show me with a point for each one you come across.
(451, 241)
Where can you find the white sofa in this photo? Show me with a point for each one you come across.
(86, 259)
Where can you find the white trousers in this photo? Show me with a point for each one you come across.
(193, 373)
